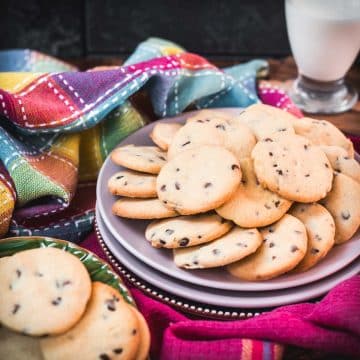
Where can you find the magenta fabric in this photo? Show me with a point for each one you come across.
(332, 325)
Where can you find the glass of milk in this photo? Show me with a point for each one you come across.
(325, 39)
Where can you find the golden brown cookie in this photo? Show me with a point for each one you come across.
(252, 205)
(148, 159)
(133, 208)
(284, 246)
(265, 120)
(342, 162)
(109, 329)
(200, 132)
(163, 134)
(133, 184)
(43, 291)
(343, 203)
(144, 346)
(205, 114)
(214, 129)
(198, 180)
(293, 168)
(322, 132)
(233, 246)
(184, 231)
(320, 229)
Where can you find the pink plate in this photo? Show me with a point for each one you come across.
(130, 234)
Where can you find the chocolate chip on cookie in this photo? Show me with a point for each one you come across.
(233, 246)
(284, 246)
(106, 313)
(133, 184)
(293, 171)
(186, 230)
(252, 205)
(208, 177)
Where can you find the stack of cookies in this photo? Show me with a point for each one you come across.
(262, 193)
(51, 310)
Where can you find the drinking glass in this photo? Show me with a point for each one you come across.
(325, 39)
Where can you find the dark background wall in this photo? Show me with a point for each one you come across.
(79, 28)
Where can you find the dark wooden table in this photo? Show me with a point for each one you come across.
(282, 73)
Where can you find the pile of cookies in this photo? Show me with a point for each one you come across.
(262, 193)
(50, 309)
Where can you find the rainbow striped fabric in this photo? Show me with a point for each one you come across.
(57, 125)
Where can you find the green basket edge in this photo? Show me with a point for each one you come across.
(98, 269)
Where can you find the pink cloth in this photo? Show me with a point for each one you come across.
(332, 325)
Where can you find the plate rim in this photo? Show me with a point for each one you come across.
(241, 286)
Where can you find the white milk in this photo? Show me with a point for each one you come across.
(324, 36)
